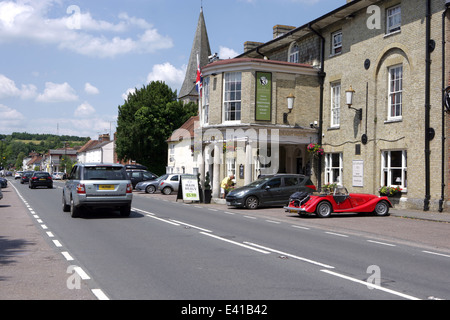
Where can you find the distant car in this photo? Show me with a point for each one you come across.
(3, 182)
(25, 176)
(97, 185)
(170, 184)
(40, 179)
(269, 190)
(150, 186)
(340, 201)
(57, 175)
(140, 175)
(18, 175)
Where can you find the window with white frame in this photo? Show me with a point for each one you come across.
(395, 92)
(394, 19)
(232, 96)
(335, 104)
(333, 168)
(336, 42)
(205, 101)
(231, 166)
(294, 53)
(394, 168)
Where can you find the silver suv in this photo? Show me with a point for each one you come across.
(97, 186)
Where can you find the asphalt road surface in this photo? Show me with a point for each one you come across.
(179, 251)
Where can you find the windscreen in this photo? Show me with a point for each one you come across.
(104, 173)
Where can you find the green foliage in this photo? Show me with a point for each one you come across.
(146, 120)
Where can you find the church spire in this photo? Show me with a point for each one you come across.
(202, 50)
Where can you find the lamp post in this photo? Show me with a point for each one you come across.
(349, 93)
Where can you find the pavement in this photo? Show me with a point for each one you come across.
(32, 267)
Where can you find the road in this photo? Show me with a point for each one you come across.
(177, 251)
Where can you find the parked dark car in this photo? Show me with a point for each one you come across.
(150, 186)
(136, 176)
(40, 179)
(270, 190)
(26, 177)
(3, 182)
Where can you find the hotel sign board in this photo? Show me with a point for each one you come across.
(263, 110)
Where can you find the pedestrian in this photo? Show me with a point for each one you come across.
(226, 185)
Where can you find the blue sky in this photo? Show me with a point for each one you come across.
(66, 66)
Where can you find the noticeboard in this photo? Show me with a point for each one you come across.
(189, 187)
(263, 109)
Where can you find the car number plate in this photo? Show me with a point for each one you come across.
(42, 179)
(106, 187)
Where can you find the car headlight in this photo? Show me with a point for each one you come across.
(239, 194)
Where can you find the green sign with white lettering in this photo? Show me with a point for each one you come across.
(263, 110)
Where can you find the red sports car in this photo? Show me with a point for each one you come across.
(340, 201)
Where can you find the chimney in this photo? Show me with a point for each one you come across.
(279, 30)
(103, 137)
(249, 45)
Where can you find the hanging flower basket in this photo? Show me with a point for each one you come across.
(315, 149)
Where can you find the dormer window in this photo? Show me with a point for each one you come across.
(294, 53)
(336, 42)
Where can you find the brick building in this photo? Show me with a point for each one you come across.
(390, 53)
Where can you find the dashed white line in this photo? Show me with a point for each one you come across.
(337, 234)
(44, 226)
(190, 225)
(234, 242)
(50, 235)
(83, 275)
(437, 254)
(57, 243)
(291, 255)
(300, 227)
(271, 221)
(248, 217)
(67, 256)
(99, 294)
(382, 243)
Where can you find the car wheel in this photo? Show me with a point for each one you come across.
(324, 209)
(150, 189)
(167, 190)
(382, 208)
(251, 202)
(65, 206)
(74, 211)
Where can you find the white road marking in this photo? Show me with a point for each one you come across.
(190, 225)
(291, 255)
(67, 256)
(337, 234)
(374, 286)
(437, 254)
(234, 242)
(382, 243)
(83, 275)
(100, 294)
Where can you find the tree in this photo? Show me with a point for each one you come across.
(146, 120)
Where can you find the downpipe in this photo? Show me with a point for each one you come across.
(426, 206)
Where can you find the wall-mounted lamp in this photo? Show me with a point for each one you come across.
(349, 100)
(290, 104)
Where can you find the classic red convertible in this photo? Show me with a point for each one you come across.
(340, 201)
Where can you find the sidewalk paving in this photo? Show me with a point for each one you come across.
(32, 269)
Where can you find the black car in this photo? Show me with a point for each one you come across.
(26, 177)
(41, 179)
(3, 182)
(137, 176)
(271, 190)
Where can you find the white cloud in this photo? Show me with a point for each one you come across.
(78, 31)
(227, 53)
(84, 110)
(6, 113)
(55, 92)
(8, 88)
(166, 72)
(128, 92)
(90, 89)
